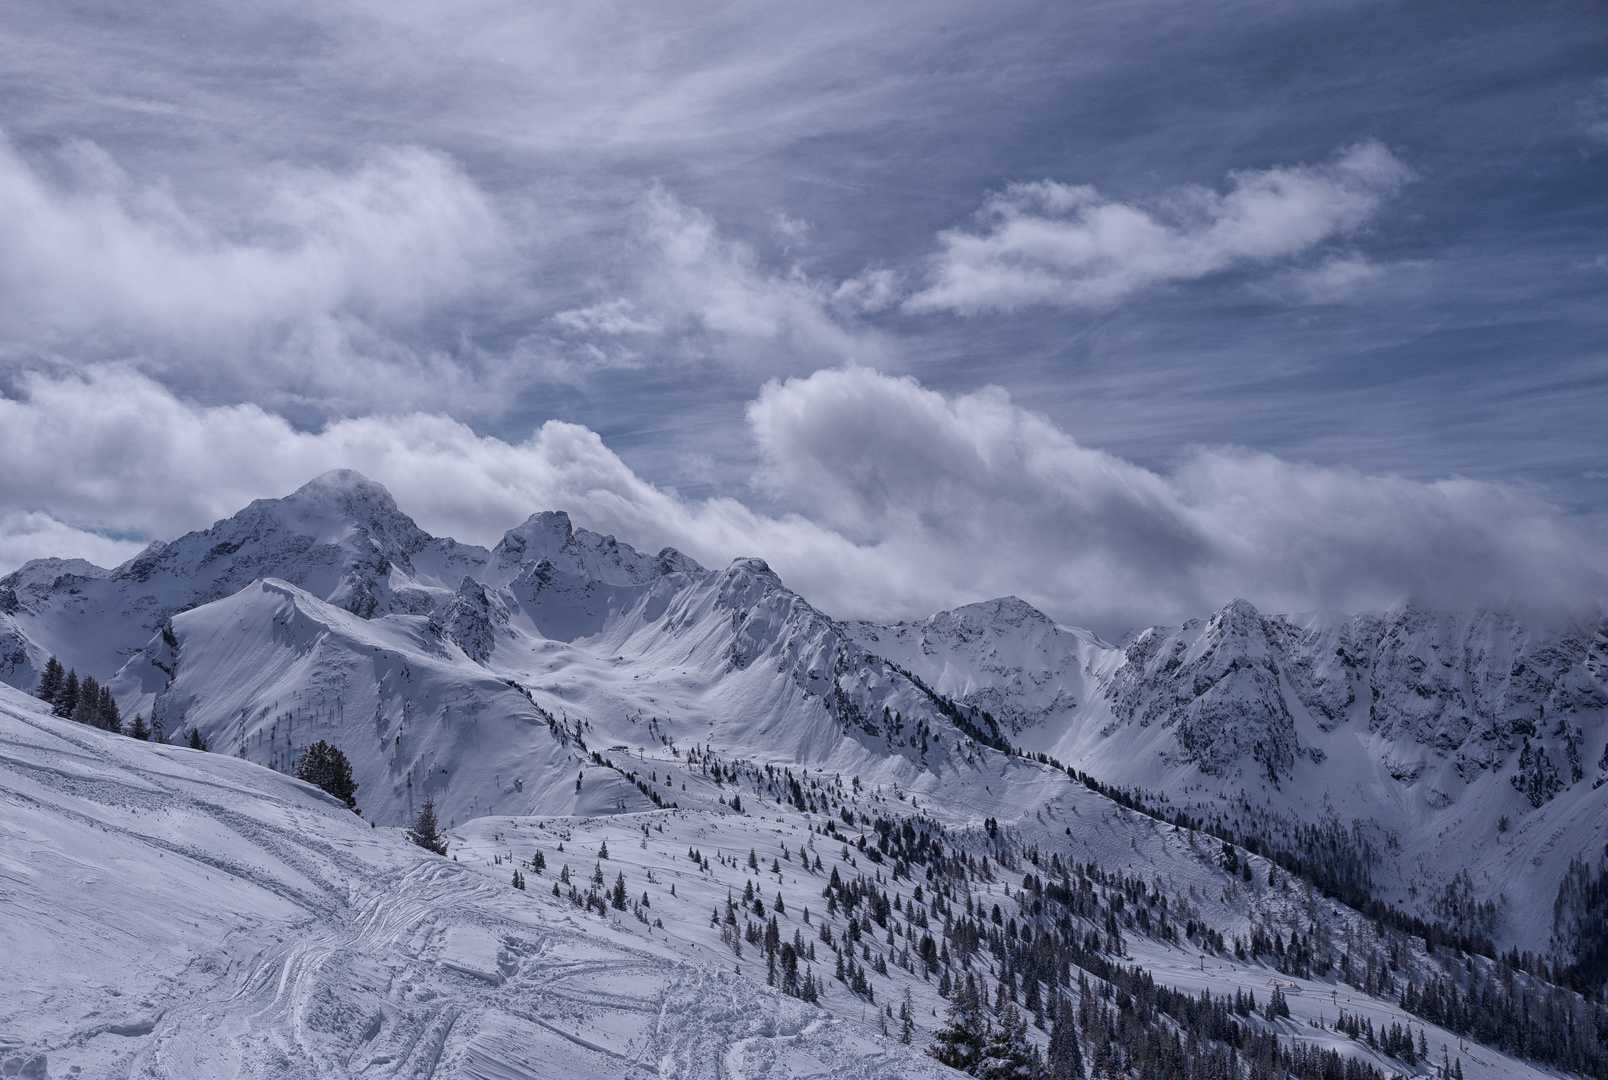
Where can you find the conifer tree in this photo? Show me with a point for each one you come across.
(51, 682)
(107, 714)
(325, 767)
(425, 831)
(961, 1043)
(67, 700)
(86, 702)
(196, 741)
(140, 729)
(1065, 1058)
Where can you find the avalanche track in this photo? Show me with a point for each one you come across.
(175, 913)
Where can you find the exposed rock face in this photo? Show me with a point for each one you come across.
(1218, 686)
(474, 620)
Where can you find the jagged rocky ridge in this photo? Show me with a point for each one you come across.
(1441, 753)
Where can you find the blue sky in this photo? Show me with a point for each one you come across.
(1353, 251)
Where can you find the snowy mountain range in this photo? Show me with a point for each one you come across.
(1456, 757)
(174, 913)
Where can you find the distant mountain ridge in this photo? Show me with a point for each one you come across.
(486, 678)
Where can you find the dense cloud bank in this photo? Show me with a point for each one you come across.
(897, 500)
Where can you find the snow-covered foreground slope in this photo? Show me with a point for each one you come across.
(170, 913)
(679, 869)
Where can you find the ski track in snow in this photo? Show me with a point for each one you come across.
(171, 913)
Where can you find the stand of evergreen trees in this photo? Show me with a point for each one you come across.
(1518, 1014)
(84, 701)
(1580, 920)
(325, 767)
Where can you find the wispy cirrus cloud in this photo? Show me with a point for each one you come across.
(1064, 245)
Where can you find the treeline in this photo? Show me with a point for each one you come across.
(1328, 865)
(1133, 1027)
(1062, 929)
(83, 701)
(1518, 1015)
(959, 715)
(87, 701)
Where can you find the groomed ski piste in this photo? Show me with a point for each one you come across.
(174, 913)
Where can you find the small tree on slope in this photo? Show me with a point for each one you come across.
(324, 766)
(1065, 1058)
(425, 832)
(51, 682)
(960, 1045)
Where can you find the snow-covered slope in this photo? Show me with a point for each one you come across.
(171, 913)
(1425, 745)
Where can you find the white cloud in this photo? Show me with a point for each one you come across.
(903, 501)
(703, 282)
(698, 298)
(1051, 243)
(951, 498)
(26, 535)
(1332, 280)
(610, 317)
(318, 268)
(873, 290)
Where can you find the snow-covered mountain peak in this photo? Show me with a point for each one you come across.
(342, 504)
(348, 489)
(38, 575)
(753, 567)
(550, 536)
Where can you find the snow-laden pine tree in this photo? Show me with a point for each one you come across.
(962, 1041)
(425, 831)
(324, 766)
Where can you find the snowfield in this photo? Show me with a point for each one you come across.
(169, 912)
(177, 913)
